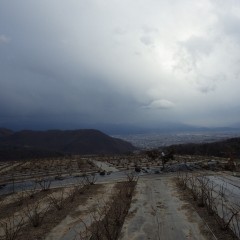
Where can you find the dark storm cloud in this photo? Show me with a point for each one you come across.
(71, 63)
(42, 80)
(43, 92)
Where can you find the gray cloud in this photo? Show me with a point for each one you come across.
(160, 104)
(78, 62)
(146, 40)
(4, 39)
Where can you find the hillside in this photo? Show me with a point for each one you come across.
(226, 148)
(5, 132)
(87, 141)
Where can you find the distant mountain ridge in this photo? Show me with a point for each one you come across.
(225, 148)
(5, 132)
(83, 141)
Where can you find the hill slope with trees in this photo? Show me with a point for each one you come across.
(226, 148)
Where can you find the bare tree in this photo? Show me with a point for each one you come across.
(57, 200)
(69, 166)
(59, 170)
(80, 184)
(211, 197)
(35, 213)
(44, 183)
(183, 179)
(32, 191)
(72, 192)
(13, 177)
(224, 213)
(19, 197)
(193, 187)
(11, 227)
(132, 176)
(2, 202)
(90, 179)
(202, 186)
(107, 219)
(236, 222)
(207, 193)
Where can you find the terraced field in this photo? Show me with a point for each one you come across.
(105, 198)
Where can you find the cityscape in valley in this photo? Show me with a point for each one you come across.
(155, 140)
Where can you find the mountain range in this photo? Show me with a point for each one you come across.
(82, 141)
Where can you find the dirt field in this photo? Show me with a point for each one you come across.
(159, 208)
(73, 223)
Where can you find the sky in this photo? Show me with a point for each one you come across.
(81, 63)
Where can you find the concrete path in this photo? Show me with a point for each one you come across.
(105, 166)
(157, 213)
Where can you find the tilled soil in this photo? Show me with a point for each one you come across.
(80, 217)
(17, 202)
(53, 217)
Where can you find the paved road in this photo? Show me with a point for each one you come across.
(115, 175)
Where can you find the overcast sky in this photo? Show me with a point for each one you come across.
(73, 63)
